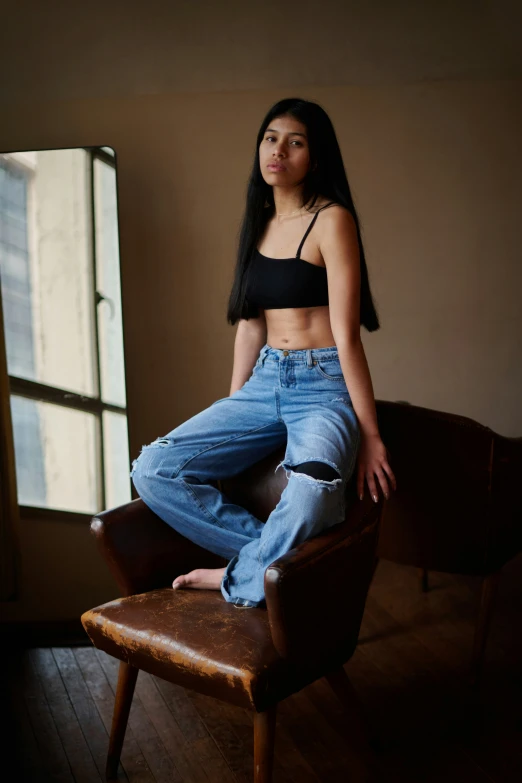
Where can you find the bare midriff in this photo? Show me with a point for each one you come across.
(298, 328)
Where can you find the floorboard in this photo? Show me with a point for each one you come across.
(410, 670)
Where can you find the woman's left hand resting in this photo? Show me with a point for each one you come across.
(372, 460)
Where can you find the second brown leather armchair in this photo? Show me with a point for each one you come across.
(457, 508)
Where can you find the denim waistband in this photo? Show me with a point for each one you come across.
(306, 355)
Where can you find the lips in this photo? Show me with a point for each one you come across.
(276, 167)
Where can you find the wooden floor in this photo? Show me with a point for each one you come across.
(409, 670)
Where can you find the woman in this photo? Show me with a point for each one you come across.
(300, 374)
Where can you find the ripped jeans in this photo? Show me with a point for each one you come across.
(297, 396)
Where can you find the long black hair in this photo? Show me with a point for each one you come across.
(325, 177)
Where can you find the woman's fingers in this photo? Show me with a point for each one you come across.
(389, 471)
(370, 465)
(372, 486)
(383, 482)
(391, 475)
(383, 473)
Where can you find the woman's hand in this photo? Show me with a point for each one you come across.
(373, 460)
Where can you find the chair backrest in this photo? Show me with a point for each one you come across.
(441, 515)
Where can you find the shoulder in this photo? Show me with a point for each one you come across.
(336, 221)
(337, 237)
(332, 212)
(336, 210)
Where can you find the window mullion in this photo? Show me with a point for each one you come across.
(23, 387)
(95, 342)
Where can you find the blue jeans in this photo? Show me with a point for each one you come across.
(297, 396)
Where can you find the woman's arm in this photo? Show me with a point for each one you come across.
(341, 254)
(250, 338)
(340, 250)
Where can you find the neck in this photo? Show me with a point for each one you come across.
(288, 202)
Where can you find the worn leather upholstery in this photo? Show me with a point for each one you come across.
(315, 597)
(457, 508)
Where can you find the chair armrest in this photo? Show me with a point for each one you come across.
(143, 552)
(316, 593)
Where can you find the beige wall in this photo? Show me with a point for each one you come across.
(62, 573)
(436, 173)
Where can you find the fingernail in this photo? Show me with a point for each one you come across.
(176, 586)
(360, 497)
(375, 498)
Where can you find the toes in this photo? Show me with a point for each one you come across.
(186, 580)
(178, 582)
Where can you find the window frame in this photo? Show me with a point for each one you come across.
(34, 390)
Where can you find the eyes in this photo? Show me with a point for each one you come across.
(294, 141)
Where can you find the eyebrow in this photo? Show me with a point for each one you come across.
(292, 133)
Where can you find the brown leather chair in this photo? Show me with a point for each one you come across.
(255, 657)
(457, 507)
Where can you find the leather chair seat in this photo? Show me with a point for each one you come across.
(199, 641)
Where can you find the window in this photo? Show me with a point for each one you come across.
(61, 296)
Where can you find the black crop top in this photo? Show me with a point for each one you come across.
(276, 283)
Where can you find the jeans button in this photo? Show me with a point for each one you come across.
(285, 353)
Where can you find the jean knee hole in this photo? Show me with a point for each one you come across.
(318, 470)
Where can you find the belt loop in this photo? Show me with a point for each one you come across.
(309, 357)
(264, 351)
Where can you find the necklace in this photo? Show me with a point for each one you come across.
(287, 214)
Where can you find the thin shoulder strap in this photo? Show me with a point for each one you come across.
(298, 255)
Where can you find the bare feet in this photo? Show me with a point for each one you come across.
(201, 578)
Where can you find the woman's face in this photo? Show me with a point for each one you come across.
(285, 144)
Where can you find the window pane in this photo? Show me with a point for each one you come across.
(116, 451)
(110, 331)
(55, 452)
(46, 267)
(29, 454)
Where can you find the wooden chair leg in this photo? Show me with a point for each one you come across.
(423, 580)
(363, 730)
(487, 603)
(264, 739)
(125, 691)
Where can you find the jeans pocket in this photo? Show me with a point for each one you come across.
(330, 368)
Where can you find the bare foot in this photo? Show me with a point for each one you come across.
(201, 578)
